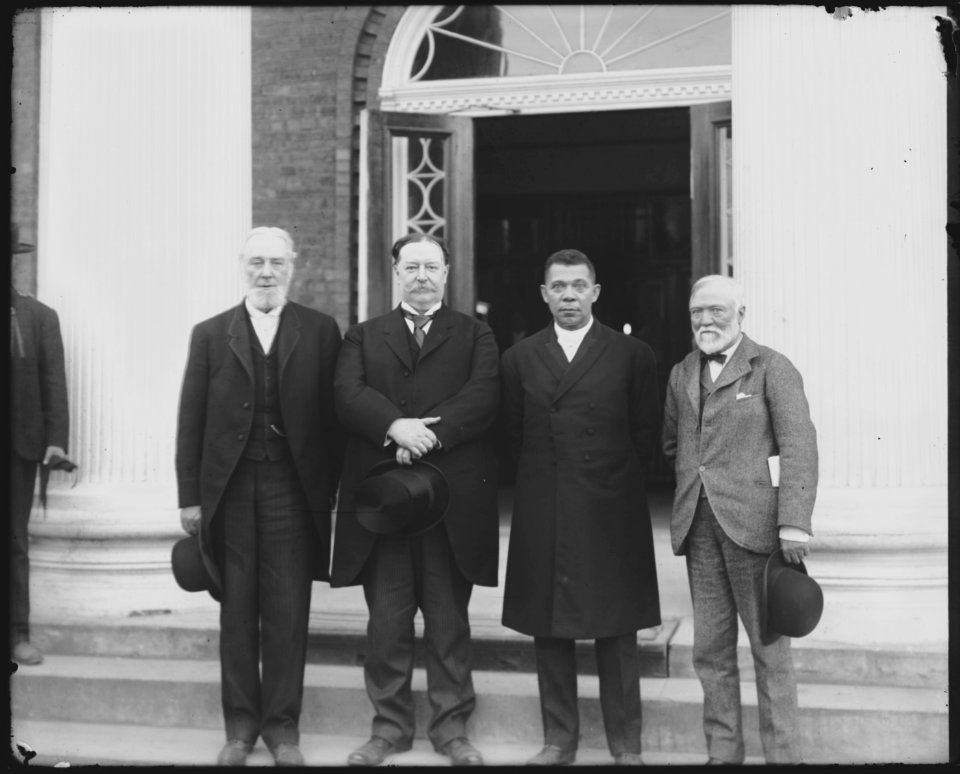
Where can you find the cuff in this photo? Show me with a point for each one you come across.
(794, 533)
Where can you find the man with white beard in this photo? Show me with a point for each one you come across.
(258, 462)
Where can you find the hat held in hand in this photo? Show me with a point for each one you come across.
(792, 601)
(397, 499)
(189, 570)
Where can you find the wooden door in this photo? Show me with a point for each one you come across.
(711, 186)
(417, 177)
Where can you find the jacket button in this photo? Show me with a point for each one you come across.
(593, 405)
(406, 374)
(239, 436)
(702, 468)
(589, 431)
(553, 409)
(586, 457)
(247, 404)
(403, 402)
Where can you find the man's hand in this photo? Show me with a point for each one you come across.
(414, 436)
(53, 451)
(793, 550)
(190, 519)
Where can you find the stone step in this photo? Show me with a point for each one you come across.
(48, 743)
(839, 723)
(339, 638)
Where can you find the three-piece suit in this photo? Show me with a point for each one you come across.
(383, 376)
(726, 519)
(39, 418)
(260, 450)
(581, 560)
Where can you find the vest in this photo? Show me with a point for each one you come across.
(267, 439)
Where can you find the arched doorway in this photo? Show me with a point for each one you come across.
(514, 131)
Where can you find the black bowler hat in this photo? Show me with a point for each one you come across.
(792, 601)
(397, 499)
(16, 246)
(188, 568)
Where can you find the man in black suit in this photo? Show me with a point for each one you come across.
(581, 415)
(258, 461)
(40, 429)
(419, 382)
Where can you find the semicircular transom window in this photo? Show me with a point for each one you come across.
(467, 41)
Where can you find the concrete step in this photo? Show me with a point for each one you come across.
(839, 723)
(49, 743)
(338, 637)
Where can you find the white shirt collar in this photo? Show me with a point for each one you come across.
(432, 310)
(566, 337)
(256, 314)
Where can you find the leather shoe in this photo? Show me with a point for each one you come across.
(287, 754)
(234, 753)
(718, 762)
(374, 751)
(553, 755)
(462, 753)
(27, 654)
(628, 759)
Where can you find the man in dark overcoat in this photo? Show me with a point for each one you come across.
(737, 428)
(258, 459)
(419, 382)
(39, 430)
(581, 414)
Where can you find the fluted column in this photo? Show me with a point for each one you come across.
(145, 195)
(839, 169)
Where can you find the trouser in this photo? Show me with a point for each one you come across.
(726, 580)
(269, 542)
(404, 574)
(618, 670)
(23, 475)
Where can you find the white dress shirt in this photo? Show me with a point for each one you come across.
(570, 341)
(265, 324)
(426, 326)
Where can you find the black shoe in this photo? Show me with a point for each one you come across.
(287, 754)
(234, 753)
(375, 751)
(25, 653)
(552, 755)
(462, 753)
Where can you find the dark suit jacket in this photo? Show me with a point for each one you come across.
(216, 413)
(757, 410)
(581, 561)
(455, 378)
(38, 382)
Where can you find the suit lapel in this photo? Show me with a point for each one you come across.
(587, 355)
(239, 335)
(395, 337)
(287, 336)
(439, 331)
(739, 364)
(551, 353)
(692, 375)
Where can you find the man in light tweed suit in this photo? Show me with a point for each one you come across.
(734, 411)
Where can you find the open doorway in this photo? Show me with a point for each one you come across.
(615, 185)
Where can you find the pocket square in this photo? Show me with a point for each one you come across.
(742, 395)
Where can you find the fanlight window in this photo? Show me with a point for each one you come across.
(466, 41)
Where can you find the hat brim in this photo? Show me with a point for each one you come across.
(189, 571)
(420, 480)
(775, 565)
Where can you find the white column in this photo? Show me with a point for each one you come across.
(145, 195)
(839, 170)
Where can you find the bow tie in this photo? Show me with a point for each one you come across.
(720, 357)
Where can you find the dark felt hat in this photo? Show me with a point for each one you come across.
(16, 246)
(792, 601)
(395, 499)
(189, 570)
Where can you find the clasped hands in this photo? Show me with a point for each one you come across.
(413, 438)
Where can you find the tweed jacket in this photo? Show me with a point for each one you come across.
(454, 377)
(38, 384)
(216, 414)
(757, 409)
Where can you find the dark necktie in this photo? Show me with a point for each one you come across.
(720, 357)
(419, 320)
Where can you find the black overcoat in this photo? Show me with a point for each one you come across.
(580, 563)
(456, 377)
(216, 414)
